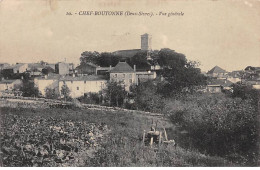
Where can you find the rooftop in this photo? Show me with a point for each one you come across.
(122, 67)
(82, 78)
(15, 66)
(216, 69)
(220, 82)
(9, 81)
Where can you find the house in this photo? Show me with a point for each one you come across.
(217, 85)
(10, 84)
(124, 73)
(17, 68)
(142, 76)
(252, 69)
(64, 68)
(48, 81)
(86, 69)
(235, 76)
(14, 71)
(217, 72)
(35, 69)
(78, 86)
(3, 65)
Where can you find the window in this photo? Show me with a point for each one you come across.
(115, 75)
(130, 81)
(71, 81)
(77, 88)
(130, 76)
(85, 81)
(123, 75)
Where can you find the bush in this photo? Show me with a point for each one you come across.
(51, 93)
(29, 90)
(91, 98)
(218, 124)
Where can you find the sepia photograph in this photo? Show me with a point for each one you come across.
(129, 83)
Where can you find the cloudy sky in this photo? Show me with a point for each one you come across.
(217, 32)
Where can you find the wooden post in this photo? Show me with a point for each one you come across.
(160, 139)
(143, 136)
(151, 143)
(165, 134)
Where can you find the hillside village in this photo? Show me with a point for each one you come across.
(89, 77)
(212, 116)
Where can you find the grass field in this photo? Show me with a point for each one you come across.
(81, 137)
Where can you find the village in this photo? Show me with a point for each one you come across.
(89, 77)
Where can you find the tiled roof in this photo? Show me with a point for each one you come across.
(122, 67)
(8, 81)
(85, 64)
(81, 78)
(15, 66)
(51, 76)
(220, 82)
(217, 69)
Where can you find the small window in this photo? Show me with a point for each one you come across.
(85, 81)
(130, 81)
(123, 75)
(115, 75)
(77, 88)
(71, 81)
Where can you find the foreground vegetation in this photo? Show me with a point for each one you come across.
(219, 125)
(101, 138)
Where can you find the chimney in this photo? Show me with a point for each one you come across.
(134, 67)
(110, 68)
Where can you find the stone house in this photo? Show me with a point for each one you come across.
(123, 73)
(78, 86)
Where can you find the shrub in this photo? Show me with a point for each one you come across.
(218, 124)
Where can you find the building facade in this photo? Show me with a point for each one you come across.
(123, 73)
(48, 81)
(78, 86)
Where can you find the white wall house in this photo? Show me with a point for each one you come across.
(10, 84)
(78, 86)
(51, 81)
(124, 73)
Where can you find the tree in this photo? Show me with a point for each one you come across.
(244, 91)
(115, 93)
(179, 73)
(146, 97)
(51, 93)
(140, 60)
(89, 56)
(47, 70)
(106, 59)
(65, 92)
(28, 88)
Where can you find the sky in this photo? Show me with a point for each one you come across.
(213, 32)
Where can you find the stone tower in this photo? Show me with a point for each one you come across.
(146, 42)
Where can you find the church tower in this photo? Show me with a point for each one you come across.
(146, 42)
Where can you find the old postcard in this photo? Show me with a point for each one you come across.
(129, 83)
